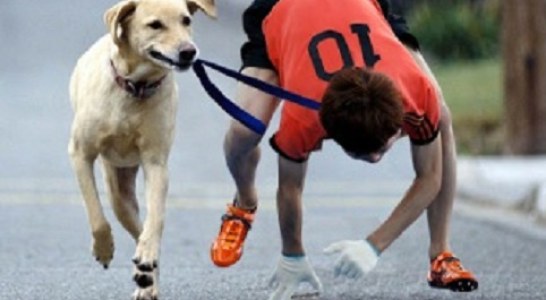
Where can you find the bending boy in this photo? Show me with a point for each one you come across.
(375, 88)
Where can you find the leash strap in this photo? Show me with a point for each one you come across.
(235, 111)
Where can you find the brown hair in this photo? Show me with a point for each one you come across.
(361, 109)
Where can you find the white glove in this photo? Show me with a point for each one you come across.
(290, 272)
(356, 257)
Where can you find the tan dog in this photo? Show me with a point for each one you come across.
(125, 99)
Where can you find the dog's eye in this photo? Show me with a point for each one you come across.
(156, 25)
(186, 21)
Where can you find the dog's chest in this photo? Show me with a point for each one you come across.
(120, 139)
(121, 151)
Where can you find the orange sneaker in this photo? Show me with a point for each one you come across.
(227, 249)
(447, 272)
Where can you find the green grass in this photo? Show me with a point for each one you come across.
(473, 91)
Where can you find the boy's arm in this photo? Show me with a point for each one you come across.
(359, 257)
(427, 163)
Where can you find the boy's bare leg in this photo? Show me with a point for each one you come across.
(242, 156)
(241, 144)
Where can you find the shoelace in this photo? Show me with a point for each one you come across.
(232, 232)
(451, 263)
(233, 229)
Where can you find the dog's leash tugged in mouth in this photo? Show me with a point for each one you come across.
(235, 111)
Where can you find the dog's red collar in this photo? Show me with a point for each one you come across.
(139, 89)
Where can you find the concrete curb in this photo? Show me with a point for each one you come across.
(517, 183)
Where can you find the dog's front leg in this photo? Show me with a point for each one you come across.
(103, 242)
(146, 258)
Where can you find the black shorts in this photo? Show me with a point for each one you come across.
(254, 51)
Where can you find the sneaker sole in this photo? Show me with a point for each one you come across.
(462, 285)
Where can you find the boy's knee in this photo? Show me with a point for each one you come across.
(240, 138)
(241, 133)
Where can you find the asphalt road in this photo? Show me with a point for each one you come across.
(44, 241)
(44, 252)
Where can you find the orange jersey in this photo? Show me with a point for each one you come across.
(308, 41)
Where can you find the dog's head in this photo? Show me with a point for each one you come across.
(157, 30)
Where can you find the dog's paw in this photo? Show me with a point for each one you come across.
(103, 245)
(145, 294)
(145, 266)
(147, 283)
(143, 279)
(146, 257)
(145, 274)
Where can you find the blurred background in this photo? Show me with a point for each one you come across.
(490, 59)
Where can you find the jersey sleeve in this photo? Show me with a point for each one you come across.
(422, 124)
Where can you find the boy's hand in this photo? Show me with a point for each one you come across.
(290, 272)
(356, 257)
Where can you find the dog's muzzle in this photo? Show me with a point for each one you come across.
(185, 58)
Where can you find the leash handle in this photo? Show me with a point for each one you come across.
(235, 111)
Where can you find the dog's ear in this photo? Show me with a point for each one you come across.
(116, 15)
(207, 6)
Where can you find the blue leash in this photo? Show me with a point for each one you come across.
(231, 108)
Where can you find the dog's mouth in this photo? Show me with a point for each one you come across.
(177, 65)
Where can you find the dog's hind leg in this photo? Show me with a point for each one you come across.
(120, 184)
(103, 241)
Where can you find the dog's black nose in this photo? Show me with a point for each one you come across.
(187, 55)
